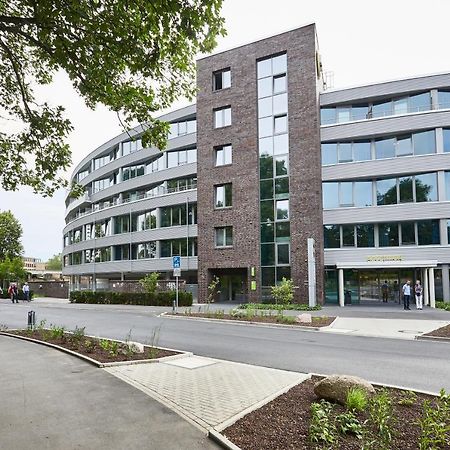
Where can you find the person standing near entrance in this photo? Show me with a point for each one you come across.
(396, 292)
(385, 291)
(26, 292)
(406, 289)
(418, 290)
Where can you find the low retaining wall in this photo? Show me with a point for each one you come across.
(58, 289)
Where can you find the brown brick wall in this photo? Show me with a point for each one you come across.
(305, 169)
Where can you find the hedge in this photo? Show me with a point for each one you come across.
(165, 298)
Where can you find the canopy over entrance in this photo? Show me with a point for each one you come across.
(381, 263)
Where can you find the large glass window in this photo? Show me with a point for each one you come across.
(361, 151)
(446, 135)
(330, 194)
(365, 235)
(405, 185)
(346, 193)
(223, 196)
(387, 191)
(329, 154)
(133, 172)
(428, 232)
(444, 99)
(122, 224)
(282, 207)
(224, 236)
(384, 148)
(121, 252)
(332, 237)
(404, 146)
(363, 193)
(222, 117)
(283, 254)
(424, 143)
(426, 187)
(223, 155)
(420, 102)
(348, 236)
(408, 233)
(327, 116)
(345, 152)
(381, 109)
(388, 234)
(144, 250)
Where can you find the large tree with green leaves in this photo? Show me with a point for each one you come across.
(54, 263)
(136, 57)
(10, 236)
(11, 270)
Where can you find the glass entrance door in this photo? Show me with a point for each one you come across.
(369, 289)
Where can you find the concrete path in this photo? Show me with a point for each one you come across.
(387, 328)
(207, 391)
(53, 401)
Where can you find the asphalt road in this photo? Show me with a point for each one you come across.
(415, 364)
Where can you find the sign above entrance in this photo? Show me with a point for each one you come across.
(385, 258)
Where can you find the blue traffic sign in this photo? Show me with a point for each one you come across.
(176, 262)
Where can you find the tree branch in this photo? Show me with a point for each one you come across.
(17, 20)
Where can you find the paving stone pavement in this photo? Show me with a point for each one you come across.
(206, 391)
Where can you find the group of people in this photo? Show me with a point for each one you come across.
(407, 289)
(13, 292)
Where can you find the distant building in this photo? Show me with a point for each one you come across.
(36, 269)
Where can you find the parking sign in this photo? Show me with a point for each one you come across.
(176, 262)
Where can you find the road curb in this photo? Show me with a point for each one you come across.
(432, 338)
(220, 439)
(99, 364)
(245, 322)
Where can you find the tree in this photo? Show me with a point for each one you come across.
(150, 282)
(283, 293)
(10, 235)
(54, 263)
(134, 57)
(11, 270)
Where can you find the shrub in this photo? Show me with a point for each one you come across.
(322, 428)
(283, 293)
(150, 282)
(165, 298)
(349, 423)
(20, 294)
(270, 306)
(356, 400)
(443, 305)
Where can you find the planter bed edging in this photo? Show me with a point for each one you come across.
(247, 322)
(99, 364)
(424, 337)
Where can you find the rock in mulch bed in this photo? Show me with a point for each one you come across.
(440, 332)
(273, 319)
(101, 350)
(284, 423)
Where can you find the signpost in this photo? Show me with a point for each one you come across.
(176, 264)
(311, 273)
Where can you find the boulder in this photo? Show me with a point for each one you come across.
(303, 318)
(336, 387)
(136, 347)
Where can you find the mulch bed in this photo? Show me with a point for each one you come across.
(91, 348)
(316, 321)
(440, 332)
(284, 423)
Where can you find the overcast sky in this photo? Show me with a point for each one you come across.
(360, 42)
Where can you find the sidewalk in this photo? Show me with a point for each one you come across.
(55, 401)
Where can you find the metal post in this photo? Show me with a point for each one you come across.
(426, 297)
(432, 291)
(311, 273)
(176, 294)
(341, 287)
(187, 230)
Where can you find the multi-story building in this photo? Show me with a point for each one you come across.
(238, 192)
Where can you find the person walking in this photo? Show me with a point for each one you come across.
(26, 292)
(406, 289)
(13, 293)
(418, 290)
(385, 291)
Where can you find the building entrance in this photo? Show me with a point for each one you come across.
(232, 285)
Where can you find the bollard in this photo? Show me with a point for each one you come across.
(31, 320)
(174, 306)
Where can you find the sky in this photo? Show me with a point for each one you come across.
(360, 42)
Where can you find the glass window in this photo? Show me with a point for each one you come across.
(381, 109)
(345, 152)
(348, 236)
(387, 191)
(280, 104)
(223, 196)
(346, 193)
(283, 272)
(280, 124)
(448, 231)
(420, 102)
(266, 146)
(446, 134)
(266, 167)
(405, 185)
(266, 189)
(280, 144)
(282, 187)
(267, 254)
(428, 232)
(447, 185)
(279, 84)
(281, 165)
(444, 99)
(404, 146)
(360, 112)
(279, 64)
(331, 236)
(265, 87)
(384, 148)
(268, 276)
(222, 117)
(330, 195)
(265, 127)
(408, 233)
(222, 79)
(172, 159)
(401, 105)
(282, 231)
(363, 193)
(264, 68)
(424, 143)
(327, 116)
(426, 187)
(265, 107)
(223, 155)
(267, 232)
(191, 126)
(365, 235)
(282, 209)
(343, 114)
(267, 211)
(282, 254)
(388, 234)
(224, 236)
(361, 151)
(329, 154)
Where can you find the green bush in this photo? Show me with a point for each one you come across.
(356, 399)
(283, 293)
(275, 307)
(443, 305)
(165, 298)
(20, 295)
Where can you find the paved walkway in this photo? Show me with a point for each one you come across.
(209, 392)
(53, 401)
